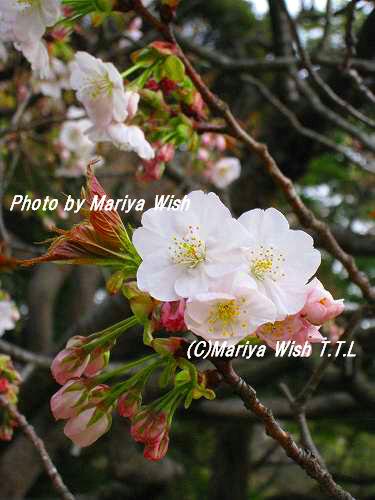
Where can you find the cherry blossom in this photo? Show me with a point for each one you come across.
(230, 311)
(78, 149)
(279, 260)
(183, 251)
(9, 314)
(224, 172)
(100, 89)
(293, 328)
(57, 81)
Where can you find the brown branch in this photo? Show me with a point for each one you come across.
(306, 216)
(282, 63)
(49, 467)
(315, 379)
(349, 33)
(350, 155)
(316, 78)
(362, 87)
(327, 27)
(273, 429)
(300, 416)
(24, 355)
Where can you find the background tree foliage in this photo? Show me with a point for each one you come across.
(219, 451)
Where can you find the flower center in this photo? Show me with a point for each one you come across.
(228, 318)
(27, 3)
(277, 330)
(190, 250)
(266, 262)
(100, 85)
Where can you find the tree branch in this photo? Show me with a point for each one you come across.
(273, 429)
(49, 467)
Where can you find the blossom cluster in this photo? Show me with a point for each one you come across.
(9, 382)
(200, 269)
(24, 23)
(240, 277)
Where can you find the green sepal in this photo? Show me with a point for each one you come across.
(167, 374)
(147, 333)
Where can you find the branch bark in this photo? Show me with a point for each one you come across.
(49, 467)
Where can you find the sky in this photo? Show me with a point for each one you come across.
(261, 6)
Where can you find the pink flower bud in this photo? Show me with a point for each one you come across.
(151, 170)
(221, 143)
(165, 153)
(132, 100)
(84, 431)
(152, 85)
(64, 403)
(69, 363)
(168, 85)
(4, 385)
(203, 154)
(172, 316)
(98, 361)
(129, 403)
(157, 450)
(147, 426)
(320, 305)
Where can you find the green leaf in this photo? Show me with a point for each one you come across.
(174, 68)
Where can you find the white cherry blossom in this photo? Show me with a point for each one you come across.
(78, 149)
(101, 90)
(9, 314)
(225, 171)
(57, 81)
(24, 23)
(184, 251)
(231, 310)
(279, 260)
(124, 137)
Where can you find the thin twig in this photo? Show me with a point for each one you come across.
(350, 155)
(49, 467)
(319, 82)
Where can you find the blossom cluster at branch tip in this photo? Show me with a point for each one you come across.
(24, 23)
(9, 384)
(240, 278)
